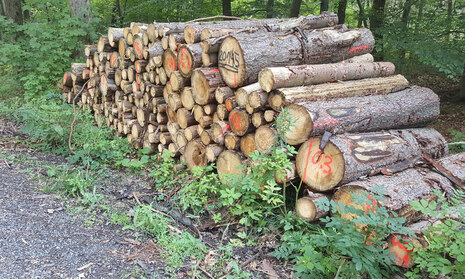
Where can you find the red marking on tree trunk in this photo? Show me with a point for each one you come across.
(137, 47)
(306, 160)
(359, 48)
(216, 70)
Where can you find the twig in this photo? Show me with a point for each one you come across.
(173, 192)
(206, 273)
(442, 170)
(456, 143)
(215, 17)
(74, 117)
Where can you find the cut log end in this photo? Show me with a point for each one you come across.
(195, 154)
(301, 127)
(229, 163)
(231, 62)
(266, 80)
(320, 171)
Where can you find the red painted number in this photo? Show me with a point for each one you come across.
(236, 121)
(184, 61)
(171, 64)
(317, 157)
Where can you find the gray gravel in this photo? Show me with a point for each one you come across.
(39, 238)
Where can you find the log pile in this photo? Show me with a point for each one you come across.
(211, 91)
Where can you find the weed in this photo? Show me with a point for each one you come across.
(445, 253)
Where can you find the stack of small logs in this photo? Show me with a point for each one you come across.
(210, 92)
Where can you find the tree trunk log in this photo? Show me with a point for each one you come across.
(291, 76)
(189, 57)
(239, 121)
(230, 163)
(347, 157)
(241, 57)
(306, 208)
(279, 98)
(213, 151)
(243, 93)
(265, 138)
(204, 83)
(222, 93)
(248, 144)
(195, 154)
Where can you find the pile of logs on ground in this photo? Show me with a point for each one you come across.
(210, 92)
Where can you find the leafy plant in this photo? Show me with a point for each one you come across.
(445, 252)
(458, 137)
(344, 248)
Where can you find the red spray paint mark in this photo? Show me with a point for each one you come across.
(216, 70)
(137, 47)
(184, 61)
(306, 160)
(235, 120)
(359, 48)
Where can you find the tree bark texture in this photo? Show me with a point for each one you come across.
(346, 158)
(241, 57)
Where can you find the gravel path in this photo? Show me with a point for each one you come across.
(40, 239)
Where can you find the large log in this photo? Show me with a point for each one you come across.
(230, 163)
(279, 98)
(412, 107)
(291, 76)
(204, 83)
(403, 187)
(189, 57)
(240, 122)
(216, 29)
(242, 56)
(195, 154)
(347, 157)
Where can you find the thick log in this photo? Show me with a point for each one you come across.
(258, 99)
(285, 175)
(275, 25)
(248, 144)
(204, 83)
(219, 130)
(89, 50)
(184, 118)
(155, 53)
(269, 115)
(240, 122)
(175, 41)
(243, 93)
(189, 57)
(174, 101)
(205, 137)
(241, 56)
(292, 76)
(347, 157)
(191, 132)
(181, 140)
(103, 44)
(230, 163)
(107, 85)
(265, 138)
(279, 98)
(412, 107)
(152, 32)
(364, 58)
(230, 103)
(198, 112)
(306, 208)
(195, 154)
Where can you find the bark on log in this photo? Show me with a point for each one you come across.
(241, 57)
(205, 137)
(347, 157)
(184, 118)
(213, 151)
(292, 76)
(222, 112)
(412, 107)
(177, 81)
(191, 132)
(222, 93)
(204, 83)
(279, 98)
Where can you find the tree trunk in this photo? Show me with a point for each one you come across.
(241, 56)
(279, 77)
(377, 22)
(240, 122)
(278, 98)
(243, 93)
(189, 57)
(346, 158)
(230, 163)
(248, 144)
(324, 6)
(227, 7)
(195, 154)
(361, 15)
(341, 11)
(265, 138)
(81, 9)
(295, 8)
(269, 9)
(213, 151)
(306, 208)
(12, 9)
(362, 114)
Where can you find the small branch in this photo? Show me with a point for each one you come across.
(456, 143)
(215, 17)
(74, 117)
(445, 172)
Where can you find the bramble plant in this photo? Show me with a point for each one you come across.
(445, 253)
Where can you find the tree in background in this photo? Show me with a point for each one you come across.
(295, 8)
(12, 9)
(341, 11)
(324, 6)
(227, 7)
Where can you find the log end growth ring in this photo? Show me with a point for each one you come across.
(195, 154)
(231, 62)
(200, 88)
(189, 34)
(305, 209)
(229, 163)
(320, 170)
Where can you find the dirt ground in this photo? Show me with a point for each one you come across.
(39, 238)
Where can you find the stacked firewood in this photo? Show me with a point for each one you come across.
(211, 91)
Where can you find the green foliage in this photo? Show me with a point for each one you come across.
(71, 182)
(344, 248)
(178, 248)
(458, 137)
(40, 50)
(445, 253)
(162, 172)
(201, 191)
(48, 122)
